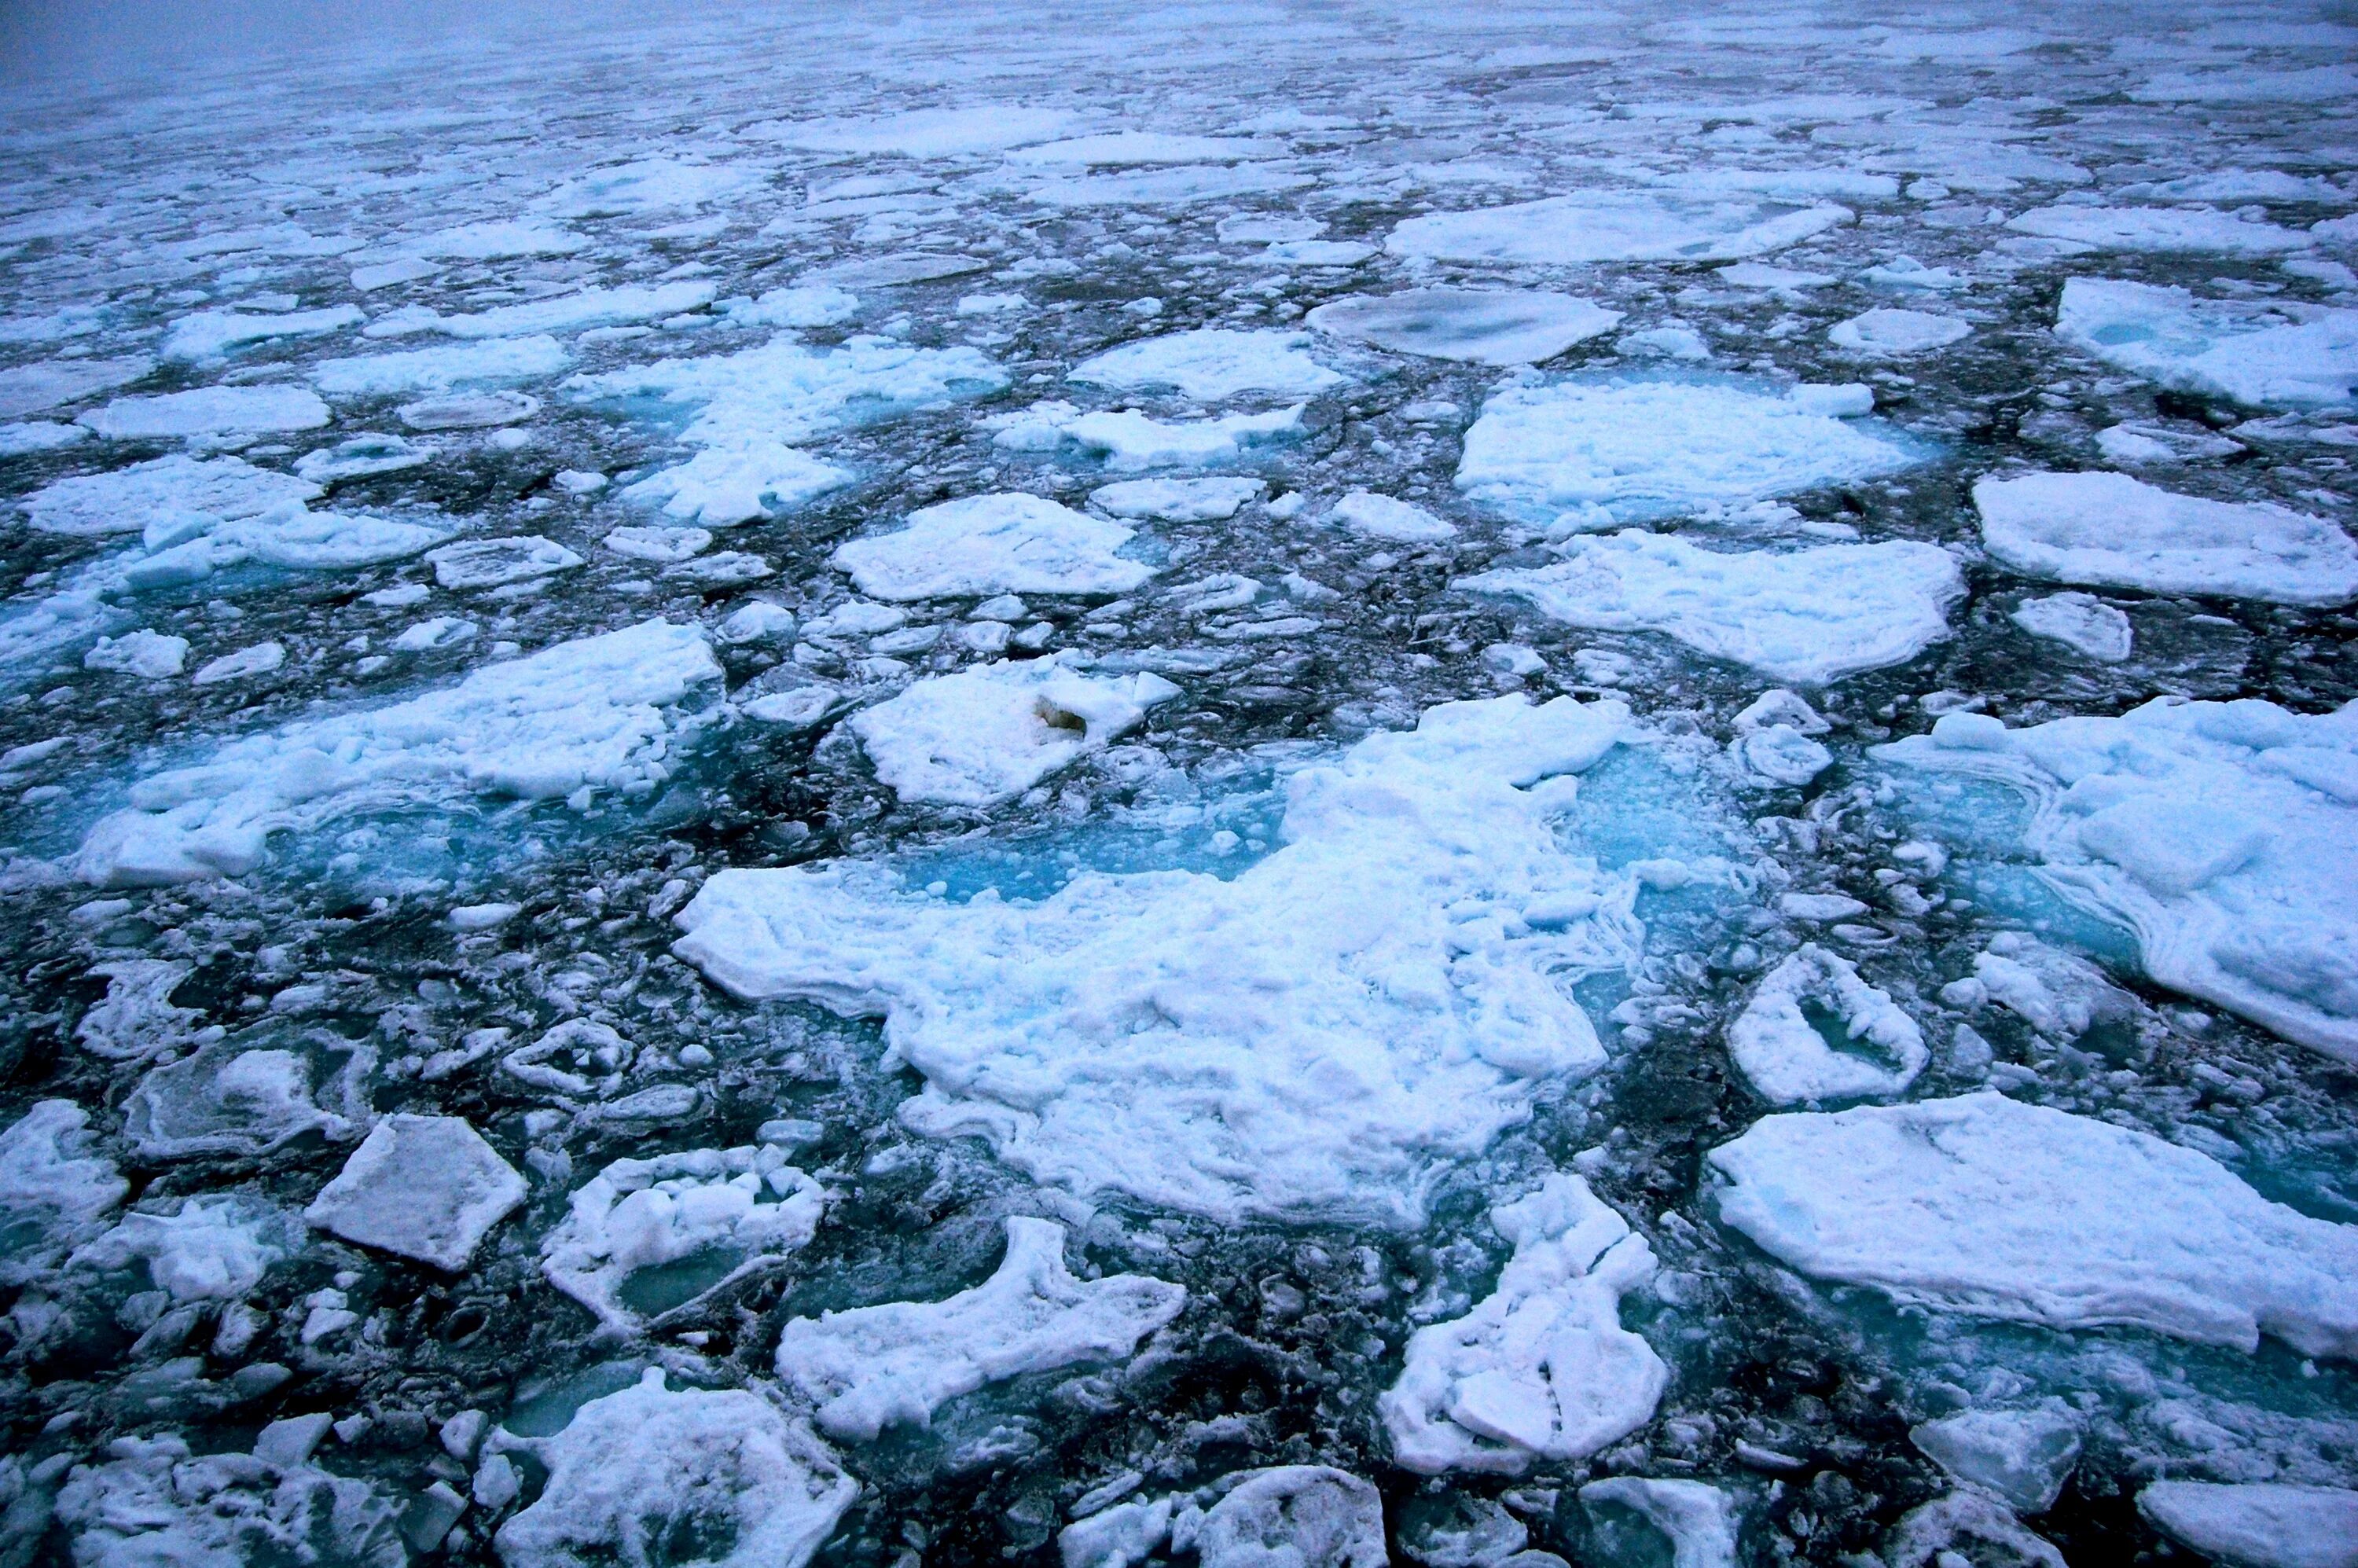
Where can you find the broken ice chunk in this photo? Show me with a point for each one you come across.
(1886, 334)
(1008, 543)
(1814, 1030)
(1781, 753)
(2160, 228)
(1615, 225)
(990, 732)
(150, 1500)
(1211, 364)
(1373, 517)
(2079, 621)
(426, 1187)
(2023, 1455)
(1491, 327)
(1174, 501)
(208, 411)
(198, 1248)
(2219, 347)
(492, 563)
(2257, 1524)
(1296, 1516)
(55, 1189)
(870, 1367)
(237, 1098)
(1697, 1521)
(152, 654)
(126, 501)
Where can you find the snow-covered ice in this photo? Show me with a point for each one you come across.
(1813, 1030)
(989, 732)
(1616, 226)
(1885, 332)
(2248, 353)
(2257, 1524)
(1696, 1520)
(1491, 327)
(1007, 543)
(1212, 364)
(2078, 621)
(427, 1187)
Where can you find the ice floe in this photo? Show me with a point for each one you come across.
(1809, 616)
(1212, 364)
(441, 369)
(1696, 1520)
(982, 544)
(1127, 440)
(55, 1190)
(33, 388)
(989, 732)
(1812, 1029)
(210, 334)
(1541, 1368)
(1887, 333)
(1177, 500)
(870, 1367)
(1382, 994)
(209, 411)
(1373, 517)
(2249, 354)
(2257, 1524)
(1491, 327)
(2023, 1455)
(1617, 225)
(1986, 1207)
(131, 499)
(2162, 229)
(150, 655)
(235, 1096)
(2108, 530)
(151, 1500)
(196, 1248)
(2079, 621)
(426, 1187)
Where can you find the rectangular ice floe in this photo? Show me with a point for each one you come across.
(989, 732)
(426, 1187)
(1808, 617)
(1318, 1035)
(1992, 1208)
(209, 411)
(601, 711)
(2108, 530)
(1616, 226)
(2263, 355)
(2223, 834)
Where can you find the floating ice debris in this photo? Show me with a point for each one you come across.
(2224, 834)
(1989, 1208)
(989, 732)
(600, 711)
(1967, 1517)
(2162, 229)
(210, 334)
(55, 1191)
(1491, 327)
(1128, 440)
(2108, 530)
(870, 1367)
(209, 411)
(136, 1018)
(38, 435)
(150, 655)
(196, 1248)
(1118, 149)
(732, 1209)
(30, 389)
(426, 1187)
(719, 1471)
(1382, 994)
(1648, 446)
(2135, 442)
(2251, 354)
(925, 133)
(2257, 1524)
(434, 633)
(1907, 271)
(497, 239)
(1886, 334)
(1293, 1516)
(359, 457)
(1177, 500)
(152, 1501)
(665, 546)
(1776, 279)
(1373, 517)
(1211, 364)
(129, 500)
(1697, 1521)
(469, 410)
(441, 369)
(1541, 1368)
(2023, 1455)
(982, 545)
(1811, 616)
(649, 185)
(1781, 753)
(236, 1097)
(1787, 1054)
(1617, 225)
(1176, 186)
(2078, 621)
(565, 313)
(259, 660)
(725, 486)
(802, 304)
(494, 563)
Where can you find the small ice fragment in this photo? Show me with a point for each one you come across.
(1784, 1052)
(260, 659)
(426, 1187)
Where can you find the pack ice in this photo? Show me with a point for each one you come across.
(1983, 1206)
(1491, 327)
(601, 712)
(989, 732)
(986, 545)
(1381, 995)
(1212, 364)
(1616, 226)
(2224, 834)
(2248, 353)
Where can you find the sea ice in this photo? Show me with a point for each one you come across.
(982, 544)
(925, 133)
(210, 334)
(870, 1367)
(2078, 621)
(259, 660)
(565, 313)
(497, 239)
(1541, 1368)
(495, 563)
(1696, 1520)
(1212, 364)
(989, 732)
(724, 486)
(441, 369)
(1650, 446)
(2162, 229)
(55, 1190)
(719, 1472)
(1786, 1055)
(360, 456)
(1177, 500)
(2224, 834)
(2250, 353)
(1986, 1207)
(2023, 1455)
(151, 1501)
(1810, 617)
(1293, 1516)
(2108, 530)
(131, 499)
(1614, 226)
(1381, 995)
(198, 1248)
(1373, 517)
(232, 1098)
(1175, 186)
(1122, 149)
(1886, 334)
(1127, 440)
(150, 655)
(1491, 327)
(30, 389)
(648, 185)
(2257, 1524)
(426, 1187)
(209, 411)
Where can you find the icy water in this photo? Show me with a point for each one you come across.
(1287, 785)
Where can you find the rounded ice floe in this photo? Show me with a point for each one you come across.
(1785, 1039)
(426, 1187)
(1695, 1520)
(1615, 225)
(719, 1471)
(1541, 1368)
(1992, 1208)
(871, 1367)
(2160, 228)
(259, 660)
(435, 634)
(648, 185)
(151, 654)
(2257, 1524)
(469, 410)
(1781, 753)
(1491, 327)
(1647, 447)
(234, 1096)
(730, 1209)
(2079, 621)
(209, 411)
(1373, 517)
(1178, 499)
(2108, 530)
(1005, 543)
(2246, 353)
(989, 732)
(1887, 333)
(198, 1248)
(1810, 616)
(362, 456)
(665, 546)
(127, 501)
(1211, 364)
(1377, 998)
(1294, 1516)
(55, 1190)
(2224, 834)
(441, 369)
(494, 563)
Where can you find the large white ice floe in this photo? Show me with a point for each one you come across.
(870, 1367)
(1616, 226)
(1642, 447)
(720, 1472)
(55, 1190)
(983, 545)
(732, 1210)
(1807, 617)
(152, 1501)
(602, 712)
(1541, 1368)
(210, 334)
(2259, 355)
(131, 499)
(1989, 1208)
(426, 1187)
(2199, 230)
(198, 1248)
(2257, 1524)
(989, 732)
(1788, 1054)
(1317, 1036)
(1491, 327)
(443, 368)
(1887, 333)
(563, 313)
(2224, 834)
(209, 411)
(1211, 364)
(2108, 530)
